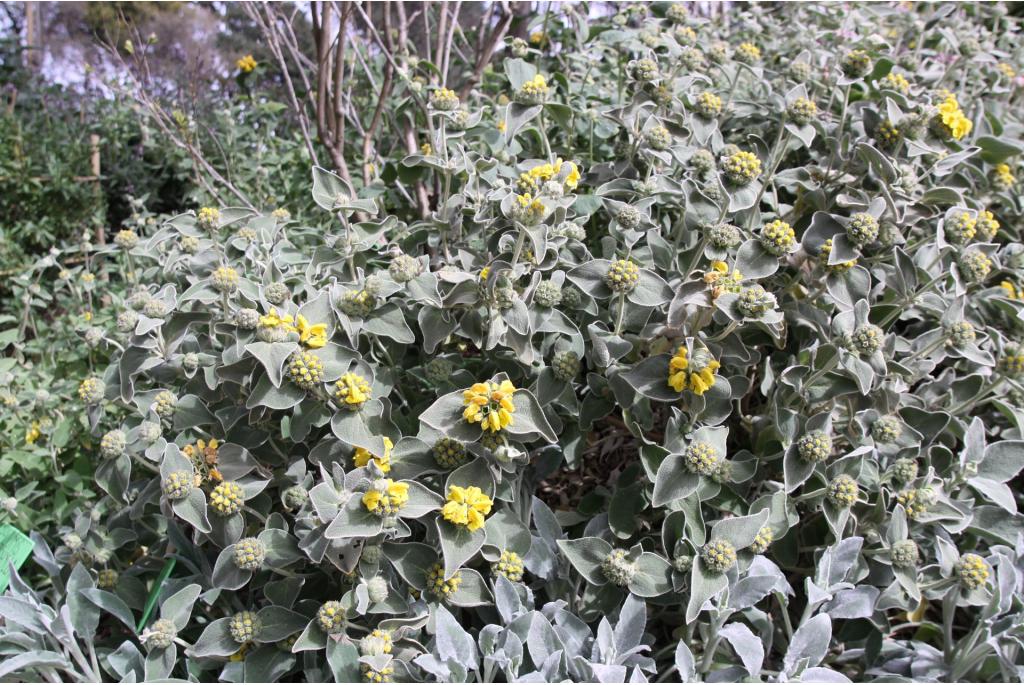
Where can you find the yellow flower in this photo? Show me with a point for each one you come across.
(484, 273)
(426, 149)
(697, 376)
(352, 389)
(1011, 289)
(896, 82)
(501, 126)
(953, 117)
(313, 336)
(246, 64)
(1006, 70)
(490, 405)
(362, 456)
(386, 497)
(88, 277)
(87, 316)
(272, 320)
(32, 434)
(537, 37)
(467, 507)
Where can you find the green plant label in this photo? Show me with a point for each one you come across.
(15, 547)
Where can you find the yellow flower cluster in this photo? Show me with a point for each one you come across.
(709, 105)
(973, 571)
(839, 268)
(246, 64)
(313, 336)
(888, 134)
(386, 497)
(208, 217)
(698, 376)
(466, 507)
(533, 92)
(33, 433)
(748, 52)
(897, 82)
(528, 209)
(742, 167)
(953, 117)
(1004, 177)
(1006, 70)
(362, 456)
(490, 405)
(541, 173)
(352, 391)
(438, 585)
(987, 226)
(1011, 290)
(227, 498)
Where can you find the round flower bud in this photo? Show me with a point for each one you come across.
(889, 234)
(975, 265)
(778, 238)
(377, 643)
(916, 501)
(547, 294)
(190, 361)
(224, 279)
(644, 70)
(802, 111)
(855, 64)
(969, 46)
(249, 554)
(93, 336)
(155, 309)
(815, 446)
(277, 293)
(91, 391)
(126, 239)
(305, 369)
(460, 119)
(149, 431)
(73, 541)
(972, 571)
(161, 634)
(904, 554)
(188, 244)
(622, 276)
(987, 226)
(658, 138)
(887, 134)
(702, 161)
(904, 470)
(1011, 361)
(438, 370)
(629, 217)
(294, 497)
(748, 53)
(178, 484)
(960, 228)
(571, 298)
(449, 453)
(867, 339)
(862, 229)
(800, 71)
(843, 491)
(439, 586)
(505, 297)
(565, 365)
(724, 236)
(722, 472)
(509, 565)
(444, 100)
(106, 579)
(682, 563)
(690, 57)
(331, 617)
(247, 234)
(685, 36)
(754, 302)
(208, 218)
(247, 319)
(701, 458)
(719, 556)
(126, 320)
(708, 105)
(138, 299)
(164, 404)
(571, 230)
(960, 334)
(377, 589)
(404, 268)
(113, 443)
(762, 540)
(519, 48)
(677, 13)
(718, 52)
(227, 498)
(371, 675)
(886, 430)
(288, 643)
(372, 554)
(245, 626)
(358, 304)
(618, 568)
